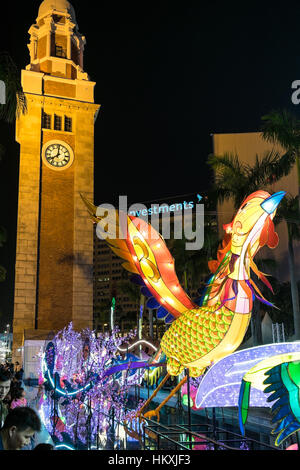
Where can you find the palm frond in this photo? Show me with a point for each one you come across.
(15, 98)
(230, 177)
(290, 213)
(282, 127)
(228, 161)
(269, 168)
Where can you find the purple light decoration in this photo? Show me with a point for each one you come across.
(220, 386)
(87, 413)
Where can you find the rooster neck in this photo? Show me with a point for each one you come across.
(230, 288)
(239, 267)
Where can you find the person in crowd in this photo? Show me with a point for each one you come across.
(15, 382)
(19, 374)
(5, 382)
(7, 400)
(19, 427)
(18, 398)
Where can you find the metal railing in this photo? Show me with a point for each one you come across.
(159, 437)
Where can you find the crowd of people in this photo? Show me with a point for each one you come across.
(18, 422)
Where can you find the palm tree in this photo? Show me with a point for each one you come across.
(284, 128)
(15, 103)
(234, 179)
(290, 213)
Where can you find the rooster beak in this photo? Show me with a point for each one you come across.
(271, 203)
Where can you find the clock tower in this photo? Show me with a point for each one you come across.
(54, 258)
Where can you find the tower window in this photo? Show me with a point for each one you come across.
(68, 124)
(59, 19)
(59, 51)
(46, 121)
(57, 122)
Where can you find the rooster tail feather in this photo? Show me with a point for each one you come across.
(244, 399)
(116, 243)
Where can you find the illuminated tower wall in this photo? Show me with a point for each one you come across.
(54, 258)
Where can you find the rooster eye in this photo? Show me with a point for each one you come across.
(244, 205)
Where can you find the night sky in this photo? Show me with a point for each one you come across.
(168, 76)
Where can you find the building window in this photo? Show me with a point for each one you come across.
(57, 122)
(46, 121)
(68, 124)
(59, 51)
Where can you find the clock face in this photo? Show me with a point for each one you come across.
(57, 155)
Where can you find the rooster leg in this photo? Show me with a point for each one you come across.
(153, 395)
(155, 412)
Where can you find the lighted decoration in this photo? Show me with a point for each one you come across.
(221, 384)
(141, 342)
(199, 335)
(292, 447)
(192, 392)
(283, 382)
(203, 335)
(84, 381)
(207, 334)
(256, 375)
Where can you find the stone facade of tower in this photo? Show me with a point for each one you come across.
(54, 258)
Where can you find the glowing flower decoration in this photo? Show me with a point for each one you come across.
(80, 391)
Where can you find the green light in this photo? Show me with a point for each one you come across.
(185, 400)
(294, 372)
(293, 391)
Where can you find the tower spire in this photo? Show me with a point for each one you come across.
(56, 47)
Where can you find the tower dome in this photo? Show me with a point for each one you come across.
(61, 6)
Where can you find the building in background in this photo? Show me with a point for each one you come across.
(110, 280)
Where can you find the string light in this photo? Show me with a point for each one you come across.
(74, 366)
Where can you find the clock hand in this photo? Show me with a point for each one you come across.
(61, 155)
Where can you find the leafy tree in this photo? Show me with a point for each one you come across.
(15, 104)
